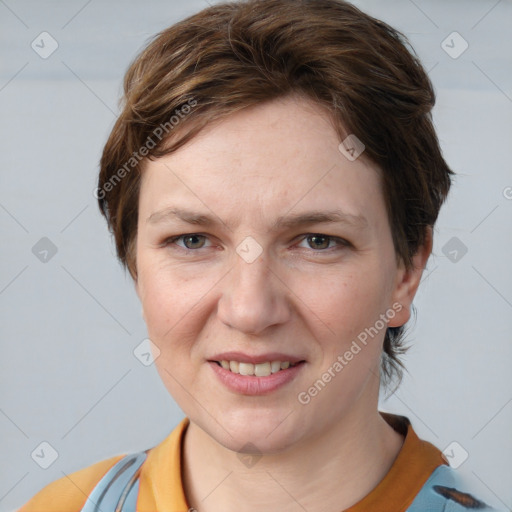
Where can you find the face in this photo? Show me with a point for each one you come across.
(259, 242)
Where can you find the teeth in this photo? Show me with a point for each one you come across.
(275, 366)
(259, 370)
(246, 369)
(262, 370)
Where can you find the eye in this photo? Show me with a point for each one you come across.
(320, 242)
(189, 241)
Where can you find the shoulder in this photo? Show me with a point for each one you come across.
(70, 492)
(446, 490)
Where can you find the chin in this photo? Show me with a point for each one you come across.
(253, 431)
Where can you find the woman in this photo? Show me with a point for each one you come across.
(272, 184)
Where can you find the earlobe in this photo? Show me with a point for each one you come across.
(408, 280)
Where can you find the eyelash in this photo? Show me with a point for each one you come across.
(340, 241)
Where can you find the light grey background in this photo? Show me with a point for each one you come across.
(68, 375)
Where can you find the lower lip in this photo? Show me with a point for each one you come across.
(252, 385)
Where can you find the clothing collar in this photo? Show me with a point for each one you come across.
(161, 485)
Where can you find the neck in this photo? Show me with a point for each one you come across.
(359, 453)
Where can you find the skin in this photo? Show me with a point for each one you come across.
(308, 298)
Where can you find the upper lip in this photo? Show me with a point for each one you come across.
(255, 358)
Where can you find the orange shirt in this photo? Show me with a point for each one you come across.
(161, 487)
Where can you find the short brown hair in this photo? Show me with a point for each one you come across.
(234, 55)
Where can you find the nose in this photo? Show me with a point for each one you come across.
(253, 297)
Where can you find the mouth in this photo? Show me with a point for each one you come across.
(263, 369)
(255, 375)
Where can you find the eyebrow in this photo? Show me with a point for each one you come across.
(285, 221)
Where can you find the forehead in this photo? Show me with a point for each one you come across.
(268, 159)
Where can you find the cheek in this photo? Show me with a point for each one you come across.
(174, 316)
(177, 306)
(156, 299)
(345, 303)
(160, 297)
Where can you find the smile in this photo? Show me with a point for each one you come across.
(258, 370)
(258, 377)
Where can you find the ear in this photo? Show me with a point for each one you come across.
(408, 280)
